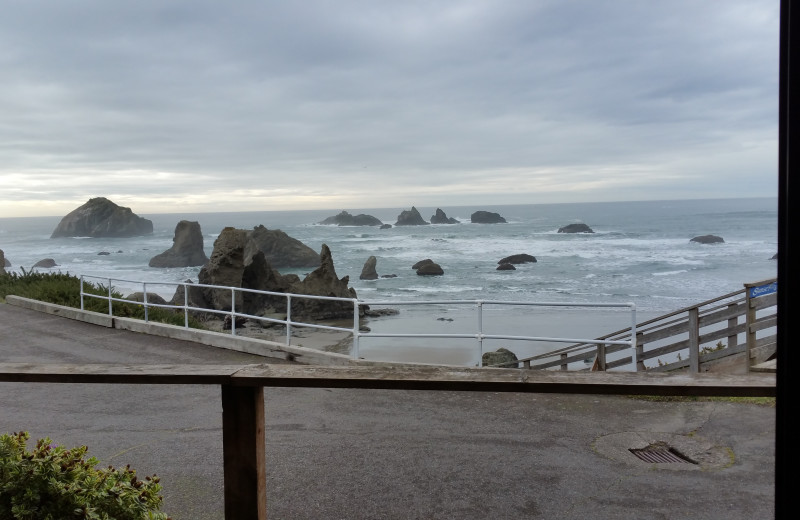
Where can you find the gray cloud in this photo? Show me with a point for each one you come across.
(361, 102)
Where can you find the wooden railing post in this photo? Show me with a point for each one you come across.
(694, 340)
(733, 340)
(243, 446)
(564, 366)
(638, 358)
(601, 357)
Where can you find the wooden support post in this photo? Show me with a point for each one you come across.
(243, 445)
(638, 359)
(733, 339)
(694, 340)
(601, 357)
(750, 333)
(564, 366)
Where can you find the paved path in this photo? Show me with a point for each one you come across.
(356, 454)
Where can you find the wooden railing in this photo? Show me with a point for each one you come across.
(242, 391)
(739, 327)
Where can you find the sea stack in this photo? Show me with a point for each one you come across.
(100, 217)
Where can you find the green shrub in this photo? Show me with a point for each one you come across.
(65, 289)
(55, 483)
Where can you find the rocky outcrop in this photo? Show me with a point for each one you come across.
(236, 261)
(368, 272)
(6, 263)
(186, 250)
(430, 269)
(46, 263)
(421, 263)
(505, 266)
(386, 226)
(410, 217)
(486, 217)
(575, 228)
(151, 298)
(708, 239)
(2, 262)
(102, 218)
(346, 219)
(518, 259)
(281, 250)
(501, 356)
(441, 218)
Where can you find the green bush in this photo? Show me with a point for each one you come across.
(55, 483)
(65, 289)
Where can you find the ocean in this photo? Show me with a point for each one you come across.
(640, 253)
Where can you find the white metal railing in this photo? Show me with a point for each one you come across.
(478, 335)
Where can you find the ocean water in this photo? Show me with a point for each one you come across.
(640, 252)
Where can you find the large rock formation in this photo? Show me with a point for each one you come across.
(487, 217)
(575, 228)
(236, 261)
(441, 218)
(186, 250)
(100, 217)
(281, 250)
(346, 219)
(2, 262)
(431, 269)
(410, 217)
(708, 239)
(368, 272)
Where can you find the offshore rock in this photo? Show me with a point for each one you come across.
(441, 218)
(575, 228)
(281, 250)
(708, 239)
(368, 272)
(46, 263)
(386, 226)
(186, 250)
(505, 266)
(410, 217)
(421, 263)
(100, 217)
(346, 219)
(487, 217)
(518, 259)
(431, 269)
(2, 262)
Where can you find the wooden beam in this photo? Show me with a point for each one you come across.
(403, 377)
(243, 445)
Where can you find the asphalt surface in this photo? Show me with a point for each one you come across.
(368, 454)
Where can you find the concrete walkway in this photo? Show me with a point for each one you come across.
(355, 454)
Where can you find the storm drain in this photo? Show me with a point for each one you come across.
(661, 453)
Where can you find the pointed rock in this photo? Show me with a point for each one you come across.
(186, 250)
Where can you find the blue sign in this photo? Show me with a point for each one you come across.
(763, 290)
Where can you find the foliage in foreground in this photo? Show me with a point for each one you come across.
(55, 483)
(64, 289)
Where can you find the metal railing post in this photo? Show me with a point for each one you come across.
(233, 311)
(480, 333)
(356, 329)
(185, 305)
(81, 292)
(110, 308)
(144, 299)
(288, 319)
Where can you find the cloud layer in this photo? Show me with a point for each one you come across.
(247, 105)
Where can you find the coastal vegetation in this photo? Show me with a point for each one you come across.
(64, 289)
(52, 481)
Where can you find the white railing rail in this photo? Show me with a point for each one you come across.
(479, 336)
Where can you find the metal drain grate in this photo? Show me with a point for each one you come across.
(661, 453)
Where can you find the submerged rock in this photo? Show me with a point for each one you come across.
(46, 263)
(100, 217)
(518, 259)
(505, 266)
(708, 239)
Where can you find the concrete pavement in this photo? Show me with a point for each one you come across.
(367, 454)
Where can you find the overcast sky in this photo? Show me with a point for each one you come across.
(172, 106)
